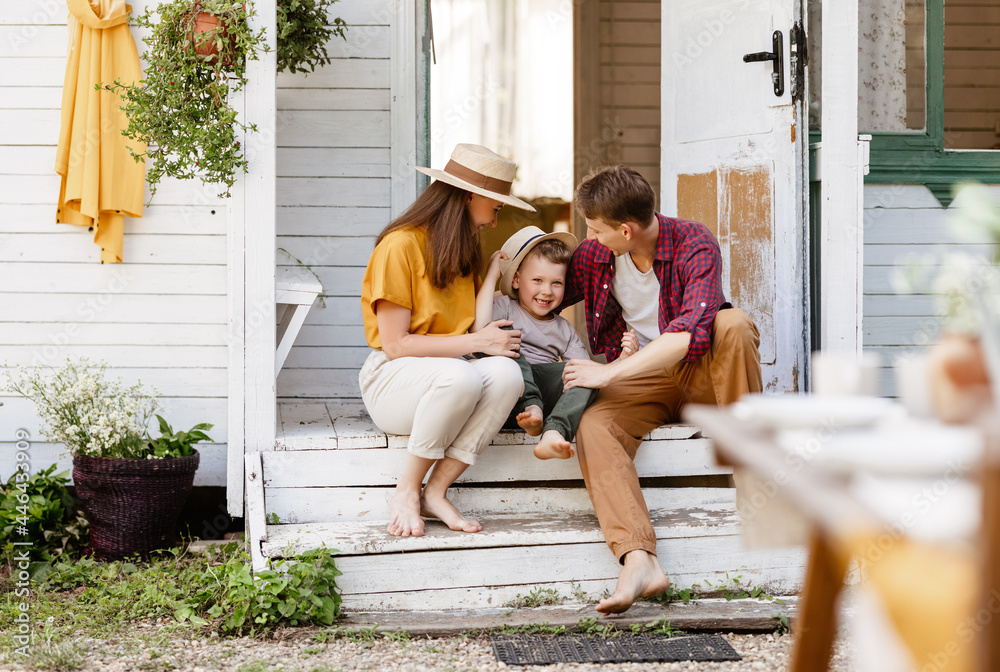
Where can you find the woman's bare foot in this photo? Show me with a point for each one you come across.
(404, 510)
(553, 445)
(438, 506)
(641, 576)
(530, 420)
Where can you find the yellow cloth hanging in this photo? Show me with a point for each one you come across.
(101, 182)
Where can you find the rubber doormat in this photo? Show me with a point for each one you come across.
(628, 648)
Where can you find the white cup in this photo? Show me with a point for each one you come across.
(836, 373)
(913, 385)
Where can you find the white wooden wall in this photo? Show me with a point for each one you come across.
(630, 85)
(334, 193)
(900, 220)
(161, 316)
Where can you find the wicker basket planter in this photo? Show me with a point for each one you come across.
(132, 504)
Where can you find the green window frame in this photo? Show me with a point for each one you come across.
(917, 157)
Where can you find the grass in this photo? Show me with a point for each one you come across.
(537, 597)
(175, 590)
(731, 588)
(57, 657)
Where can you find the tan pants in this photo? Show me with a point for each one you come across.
(612, 428)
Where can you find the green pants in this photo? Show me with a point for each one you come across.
(543, 387)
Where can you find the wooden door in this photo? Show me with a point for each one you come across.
(733, 157)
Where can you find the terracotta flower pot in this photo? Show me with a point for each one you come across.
(203, 33)
(959, 381)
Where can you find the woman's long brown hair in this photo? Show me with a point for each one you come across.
(453, 248)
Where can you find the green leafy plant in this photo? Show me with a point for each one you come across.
(214, 591)
(39, 508)
(181, 110)
(303, 591)
(303, 31)
(180, 444)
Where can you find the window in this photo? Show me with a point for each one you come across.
(929, 91)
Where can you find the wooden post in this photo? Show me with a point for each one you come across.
(815, 624)
(989, 637)
(841, 186)
(251, 230)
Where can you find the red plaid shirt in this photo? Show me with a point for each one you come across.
(688, 264)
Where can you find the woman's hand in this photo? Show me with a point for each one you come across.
(498, 341)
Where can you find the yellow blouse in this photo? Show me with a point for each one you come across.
(399, 271)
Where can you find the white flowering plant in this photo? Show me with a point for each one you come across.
(86, 411)
(955, 278)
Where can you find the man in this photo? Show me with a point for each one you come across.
(661, 277)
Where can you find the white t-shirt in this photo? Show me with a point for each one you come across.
(542, 341)
(639, 296)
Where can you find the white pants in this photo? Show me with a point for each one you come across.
(449, 406)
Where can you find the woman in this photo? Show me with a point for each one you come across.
(418, 300)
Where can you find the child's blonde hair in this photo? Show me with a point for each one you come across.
(552, 250)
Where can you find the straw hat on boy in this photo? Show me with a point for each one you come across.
(481, 171)
(519, 245)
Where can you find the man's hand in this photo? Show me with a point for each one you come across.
(586, 373)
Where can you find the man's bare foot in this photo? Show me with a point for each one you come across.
(553, 445)
(530, 420)
(641, 576)
(404, 510)
(438, 506)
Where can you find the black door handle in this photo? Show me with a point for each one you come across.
(777, 57)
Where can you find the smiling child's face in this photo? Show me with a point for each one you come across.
(540, 285)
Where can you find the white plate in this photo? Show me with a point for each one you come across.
(800, 411)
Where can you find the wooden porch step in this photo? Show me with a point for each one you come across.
(563, 518)
(332, 471)
(697, 542)
(345, 425)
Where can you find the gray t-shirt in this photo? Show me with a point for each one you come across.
(542, 341)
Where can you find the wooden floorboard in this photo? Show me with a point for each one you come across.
(483, 576)
(338, 505)
(345, 425)
(512, 529)
(697, 615)
(383, 466)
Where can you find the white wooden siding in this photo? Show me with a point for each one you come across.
(900, 220)
(334, 194)
(161, 316)
(630, 85)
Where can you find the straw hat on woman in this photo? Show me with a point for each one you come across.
(418, 302)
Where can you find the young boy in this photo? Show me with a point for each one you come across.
(531, 267)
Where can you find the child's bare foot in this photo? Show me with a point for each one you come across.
(404, 509)
(438, 506)
(553, 445)
(530, 420)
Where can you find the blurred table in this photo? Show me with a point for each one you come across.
(839, 520)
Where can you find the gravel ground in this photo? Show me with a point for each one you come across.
(149, 652)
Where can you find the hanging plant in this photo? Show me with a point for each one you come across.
(303, 31)
(181, 108)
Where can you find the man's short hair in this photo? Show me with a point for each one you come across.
(555, 251)
(616, 194)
